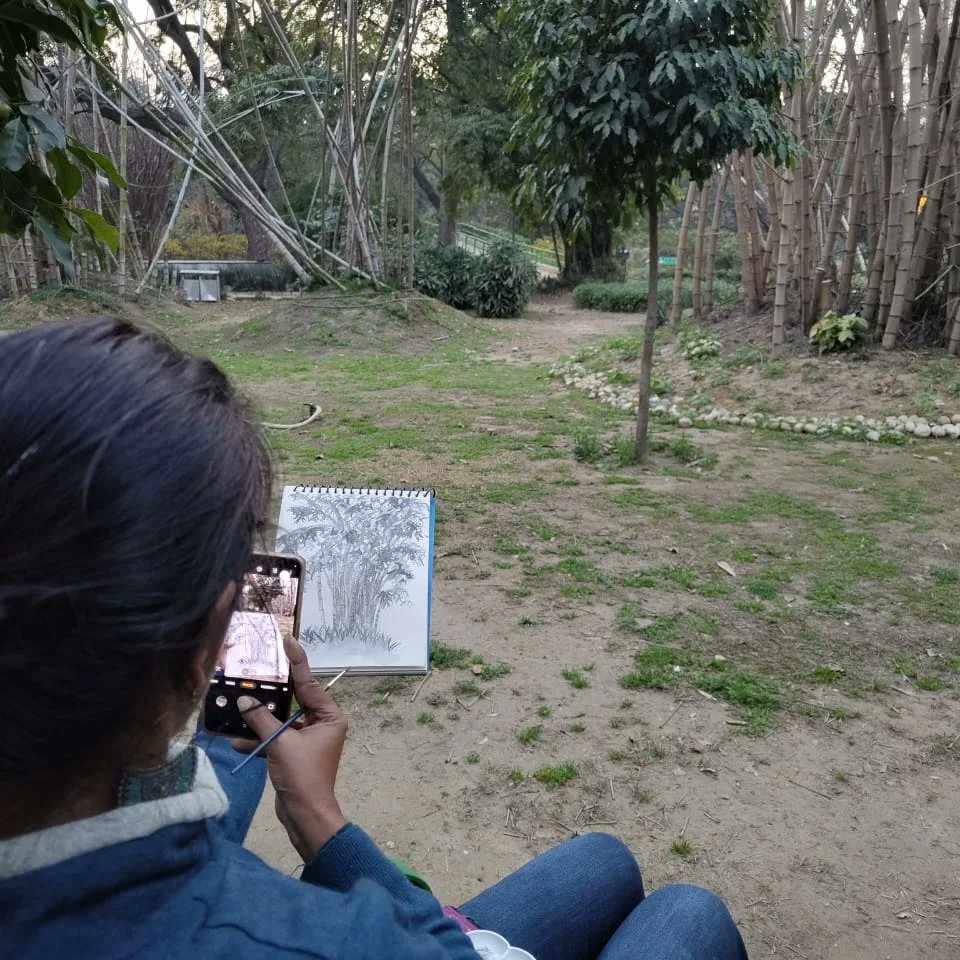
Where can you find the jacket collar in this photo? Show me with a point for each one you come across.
(45, 848)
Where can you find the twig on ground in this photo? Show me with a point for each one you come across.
(416, 693)
(672, 712)
(803, 786)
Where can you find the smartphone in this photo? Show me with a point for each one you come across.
(252, 661)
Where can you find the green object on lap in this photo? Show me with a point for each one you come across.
(411, 874)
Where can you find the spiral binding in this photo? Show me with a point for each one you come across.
(428, 493)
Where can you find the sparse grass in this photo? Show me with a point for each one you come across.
(553, 777)
(626, 704)
(756, 697)
(530, 734)
(825, 674)
(516, 777)
(616, 755)
(586, 448)
(494, 671)
(575, 678)
(616, 722)
(425, 718)
(466, 688)
(543, 712)
(903, 663)
(657, 751)
(576, 727)
(931, 683)
(945, 747)
(443, 657)
(840, 775)
(681, 847)
(472, 757)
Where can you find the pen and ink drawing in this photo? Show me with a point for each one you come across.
(366, 560)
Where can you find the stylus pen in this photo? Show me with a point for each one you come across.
(283, 726)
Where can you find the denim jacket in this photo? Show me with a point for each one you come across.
(168, 884)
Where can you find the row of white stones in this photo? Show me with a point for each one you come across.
(597, 386)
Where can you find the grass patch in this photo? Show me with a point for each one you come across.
(444, 657)
(553, 777)
(530, 734)
(576, 679)
(681, 847)
(824, 674)
(494, 671)
(586, 448)
(516, 777)
(425, 718)
(756, 697)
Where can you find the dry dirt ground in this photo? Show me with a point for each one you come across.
(832, 834)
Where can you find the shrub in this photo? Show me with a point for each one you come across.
(503, 281)
(695, 343)
(446, 273)
(834, 332)
(618, 297)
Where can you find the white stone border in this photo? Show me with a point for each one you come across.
(891, 429)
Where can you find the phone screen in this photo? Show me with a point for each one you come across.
(252, 660)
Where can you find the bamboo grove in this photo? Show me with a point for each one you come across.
(867, 220)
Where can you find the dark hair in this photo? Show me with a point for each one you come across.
(132, 483)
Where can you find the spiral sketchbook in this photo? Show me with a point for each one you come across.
(369, 568)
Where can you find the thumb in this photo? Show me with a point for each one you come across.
(257, 717)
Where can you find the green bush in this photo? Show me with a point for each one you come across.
(618, 297)
(503, 281)
(833, 332)
(447, 274)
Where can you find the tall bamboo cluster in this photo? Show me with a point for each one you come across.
(365, 130)
(867, 218)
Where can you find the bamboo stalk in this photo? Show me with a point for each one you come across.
(900, 305)
(704, 203)
(715, 223)
(676, 308)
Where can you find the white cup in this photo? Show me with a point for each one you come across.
(490, 945)
(515, 953)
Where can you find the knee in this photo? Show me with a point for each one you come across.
(612, 858)
(698, 906)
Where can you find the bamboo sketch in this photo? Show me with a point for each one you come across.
(367, 587)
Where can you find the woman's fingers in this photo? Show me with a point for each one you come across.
(310, 695)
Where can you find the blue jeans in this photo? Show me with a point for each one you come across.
(582, 900)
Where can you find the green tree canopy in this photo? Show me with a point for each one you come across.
(41, 169)
(618, 99)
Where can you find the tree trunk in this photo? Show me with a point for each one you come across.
(649, 328)
(588, 251)
(447, 229)
(259, 244)
(676, 308)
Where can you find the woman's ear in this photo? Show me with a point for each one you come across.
(215, 631)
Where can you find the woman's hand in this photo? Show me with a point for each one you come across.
(303, 760)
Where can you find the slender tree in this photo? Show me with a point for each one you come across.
(619, 99)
